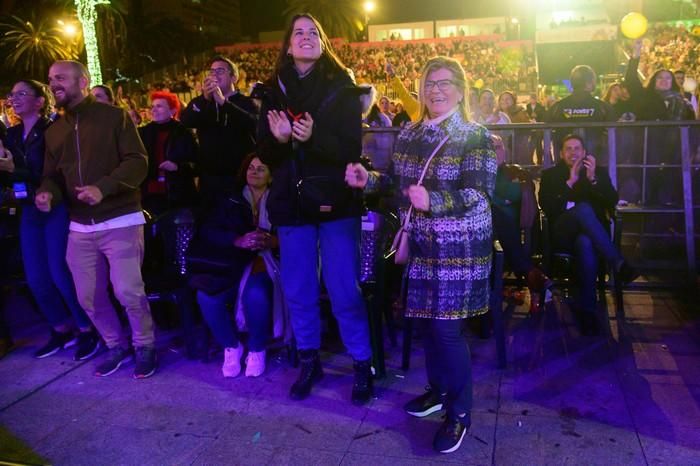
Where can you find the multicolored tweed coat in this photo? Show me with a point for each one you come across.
(448, 274)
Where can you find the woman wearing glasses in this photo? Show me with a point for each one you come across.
(310, 128)
(43, 236)
(450, 236)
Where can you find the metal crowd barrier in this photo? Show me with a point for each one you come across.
(654, 165)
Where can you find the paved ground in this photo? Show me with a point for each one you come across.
(631, 397)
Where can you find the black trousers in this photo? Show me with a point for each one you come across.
(448, 364)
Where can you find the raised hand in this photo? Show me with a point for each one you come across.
(637, 48)
(356, 175)
(574, 172)
(590, 164)
(280, 127)
(209, 87)
(419, 197)
(302, 128)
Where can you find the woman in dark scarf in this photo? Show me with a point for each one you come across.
(310, 129)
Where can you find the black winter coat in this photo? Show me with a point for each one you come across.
(555, 193)
(232, 218)
(336, 141)
(650, 104)
(226, 133)
(180, 148)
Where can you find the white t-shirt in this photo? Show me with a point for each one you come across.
(123, 221)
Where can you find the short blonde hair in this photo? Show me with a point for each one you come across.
(460, 82)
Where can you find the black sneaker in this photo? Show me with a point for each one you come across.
(449, 436)
(58, 341)
(145, 362)
(425, 404)
(88, 345)
(6, 345)
(113, 361)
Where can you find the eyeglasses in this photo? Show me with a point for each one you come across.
(258, 169)
(219, 71)
(19, 95)
(442, 84)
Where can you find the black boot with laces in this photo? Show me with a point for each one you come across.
(362, 388)
(311, 372)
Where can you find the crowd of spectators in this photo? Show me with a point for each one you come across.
(670, 47)
(484, 61)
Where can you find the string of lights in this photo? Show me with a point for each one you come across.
(87, 15)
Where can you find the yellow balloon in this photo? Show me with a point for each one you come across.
(633, 25)
(479, 83)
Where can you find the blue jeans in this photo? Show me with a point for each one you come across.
(257, 308)
(43, 239)
(337, 243)
(448, 364)
(579, 231)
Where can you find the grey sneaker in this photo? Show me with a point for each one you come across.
(114, 360)
(145, 362)
(89, 344)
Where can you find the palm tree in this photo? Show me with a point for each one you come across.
(112, 34)
(339, 18)
(33, 45)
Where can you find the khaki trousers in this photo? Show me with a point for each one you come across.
(112, 256)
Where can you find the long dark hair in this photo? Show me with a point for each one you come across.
(651, 84)
(241, 175)
(41, 90)
(329, 60)
(374, 116)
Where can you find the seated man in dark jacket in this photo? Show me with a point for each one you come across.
(577, 197)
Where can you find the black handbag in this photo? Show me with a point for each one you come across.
(320, 196)
(209, 270)
(202, 258)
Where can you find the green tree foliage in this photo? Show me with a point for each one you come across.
(31, 46)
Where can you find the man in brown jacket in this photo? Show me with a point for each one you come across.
(95, 159)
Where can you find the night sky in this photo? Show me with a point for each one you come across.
(257, 18)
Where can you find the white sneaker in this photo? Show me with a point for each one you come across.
(232, 361)
(255, 363)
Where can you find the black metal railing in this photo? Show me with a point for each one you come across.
(654, 165)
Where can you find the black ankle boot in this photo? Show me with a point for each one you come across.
(311, 372)
(362, 388)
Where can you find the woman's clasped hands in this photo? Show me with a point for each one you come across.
(282, 129)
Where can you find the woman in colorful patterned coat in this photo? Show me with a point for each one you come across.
(451, 237)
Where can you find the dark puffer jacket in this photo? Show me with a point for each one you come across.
(320, 162)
